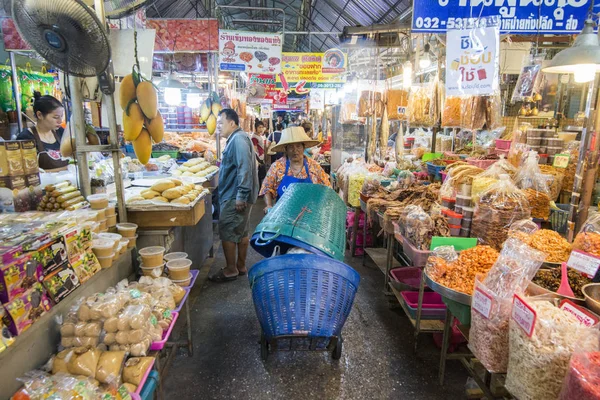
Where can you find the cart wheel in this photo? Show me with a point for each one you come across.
(264, 347)
(337, 352)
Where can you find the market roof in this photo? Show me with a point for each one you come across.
(300, 16)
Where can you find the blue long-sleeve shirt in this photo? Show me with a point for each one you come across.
(238, 178)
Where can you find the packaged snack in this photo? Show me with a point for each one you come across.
(18, 276)
(27, 308)
(588, 239)
(61, 282)
(110, 367)
(135, 369)
(535, 187)
(583, 377)
(51, 254)
(397, 102)
(84, 362)
(421, 107)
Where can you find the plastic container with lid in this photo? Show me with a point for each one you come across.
(132, 242)
(466, 223)
(183, 282)
(175, 256)
(534, 140)
(543, 159)
(93, 226)
(152, 256)
(154, 272)
(468, 212)
(98, 201)
(454, 218)
(553, 150)
(111, 221)
(463, 201)
(454, 230)
(125, 242)
(106, 262)
(465, 232)
(179, 269)
(127, 229)
(458, 209)
(103, 247)
(103, 227)
(89, 215)
(113, 237)
(100, 214)
(121, 248)
(111, 210)
(448, 202)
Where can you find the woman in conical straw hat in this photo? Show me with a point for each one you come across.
(292, 168)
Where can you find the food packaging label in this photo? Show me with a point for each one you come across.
(524, 315)
(13, 182)
(584, 262)
(62, 282)
(583, 316)
(51, 254)
(86, 266)
(29, 156)
(11, 163)
(24, 310)
(482, 302)
(18, 277)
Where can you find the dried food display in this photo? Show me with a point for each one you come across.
(583, 378)
(555, 178)
(557, 249)
(535, 186)
(421, 106)
(588, 239)
(539, 202)
(573, 151)
(397, 101)
(538, 364)
(452, 113)
(550, 279)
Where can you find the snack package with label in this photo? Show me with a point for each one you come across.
(24, 310)
(51, 254)
(588, 239)
(492, 302)
(86, 266)
(61, 282)
(6, 338)
(541, 346)
(18, 277)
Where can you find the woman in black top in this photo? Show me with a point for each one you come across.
(47, 133)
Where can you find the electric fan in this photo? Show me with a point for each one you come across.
(116, 9)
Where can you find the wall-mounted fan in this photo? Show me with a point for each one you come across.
(116, 9)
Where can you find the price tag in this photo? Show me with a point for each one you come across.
(523, 315)
(482, 303)
(561, 160)
(401, 110)
(584, 262)
(583, 315)
(353, 116)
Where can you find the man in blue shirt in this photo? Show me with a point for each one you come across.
(238, 190)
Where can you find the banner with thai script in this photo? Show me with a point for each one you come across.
(255, 52)
(262, 86)
(304, 71)
(472, 61)
(189, 35)
(516, 16)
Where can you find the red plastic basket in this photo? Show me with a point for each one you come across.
(483, 164)
(502, 144)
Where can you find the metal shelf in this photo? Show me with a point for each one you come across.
(379, 257)
(427, 325)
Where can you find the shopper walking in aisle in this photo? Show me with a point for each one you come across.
(238, 190)
(272, 141)
(260, 144)
(294, 167)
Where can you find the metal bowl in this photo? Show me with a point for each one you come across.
(188, 155)
(591, 291)
(536, 290)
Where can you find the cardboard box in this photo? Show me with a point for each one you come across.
(62, 282)
(29, 156)
(86, 266)
(18, 277)
(51, 254)
(25, 309)
(14, 182)
(33, 180)
(11, 162)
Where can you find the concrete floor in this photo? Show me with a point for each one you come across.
(378, 361)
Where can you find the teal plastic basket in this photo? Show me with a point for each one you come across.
(309, 216)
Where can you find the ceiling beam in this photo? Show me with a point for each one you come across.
(341, 12)
(393, 7)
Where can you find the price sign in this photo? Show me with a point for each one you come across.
(584, 262)
(561, 160)
(482, 303)
(401, 110)
(584, 316)
(524, 315)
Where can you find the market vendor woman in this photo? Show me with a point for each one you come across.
(294, 167)
(47, 132)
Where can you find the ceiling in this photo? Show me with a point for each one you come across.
(329, 16)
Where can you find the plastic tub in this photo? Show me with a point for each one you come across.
(454, 218)
(448, 202)
(98, 201)
(432, 306)
(93, 226)
(463, 201)
(458, 209)
(111, 210)
(542, 149)
(406, 278)
(100, 214)
(465, 232)
(132, 242)
(125, 242)
(127, 229)
(113, 237)
(152, 256)
(417, 257)
(111, 221)
(179, 269)
(183, 282)
(103, 247)
(502, 144)
(103, 227)
(543, 159)
(90, 215)
(175, 256)
(468, 212)
(534, 140)
(465, 189)
(106, 262)
(466, 223)
(553, 150)
(548, 133)
(454, 230)
(544, 142)
(154, 272)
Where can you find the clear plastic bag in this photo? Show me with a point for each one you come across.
(588, 239)
(452, 112)
(512, 272)
(528, 81)
(573, 150)
(535, 186)
(419, 227)
(537, 365)
(498, 207)
(583, 377)
(555, 179)
(421, 105)
(490, 177)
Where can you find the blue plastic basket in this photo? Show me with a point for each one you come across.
(302, 295)
(559, 218)
(150, 386)
(435, 170)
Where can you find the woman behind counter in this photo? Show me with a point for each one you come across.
(47, 132)
(293, 167)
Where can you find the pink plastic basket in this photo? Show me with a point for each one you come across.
(185, 296)
(155, 346)
(195, 274)
(502, 144)
(417, 257)
(406, 278)
(483, 164)
(138, 391)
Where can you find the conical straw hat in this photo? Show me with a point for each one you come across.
(292, 135)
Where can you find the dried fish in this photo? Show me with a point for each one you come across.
(385, 134)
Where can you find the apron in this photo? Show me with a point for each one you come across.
(288, 180)
(54, 154)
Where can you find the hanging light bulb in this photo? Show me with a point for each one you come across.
(425, 60)
(193, 95)
(173, 96)
(584, 73)
(407, 75)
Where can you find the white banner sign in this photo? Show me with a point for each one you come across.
(317, 99)
(472, 61)
(266, 110)
(253, 52)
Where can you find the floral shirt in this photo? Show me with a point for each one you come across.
(277, 170)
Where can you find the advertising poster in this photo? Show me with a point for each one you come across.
(254, 52)
(472, 60)
(184, 35)
(302, 72)
(262, 86)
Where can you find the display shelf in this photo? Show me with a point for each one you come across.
(379, 257)
(427, 325)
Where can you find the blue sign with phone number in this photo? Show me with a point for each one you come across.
(516, 16)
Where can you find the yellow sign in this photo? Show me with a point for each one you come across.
(305, 71)
(561, 160)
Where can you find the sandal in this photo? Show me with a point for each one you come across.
(220, 277)
(243, 273)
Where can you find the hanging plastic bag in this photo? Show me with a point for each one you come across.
(535, 186)
(490, 176)
(572, 149)
(397, 102)
(421, 105)
(452, 112)
(512, 272)
(7, 101)
(555, 178)
(529, 78)
(498, 207)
